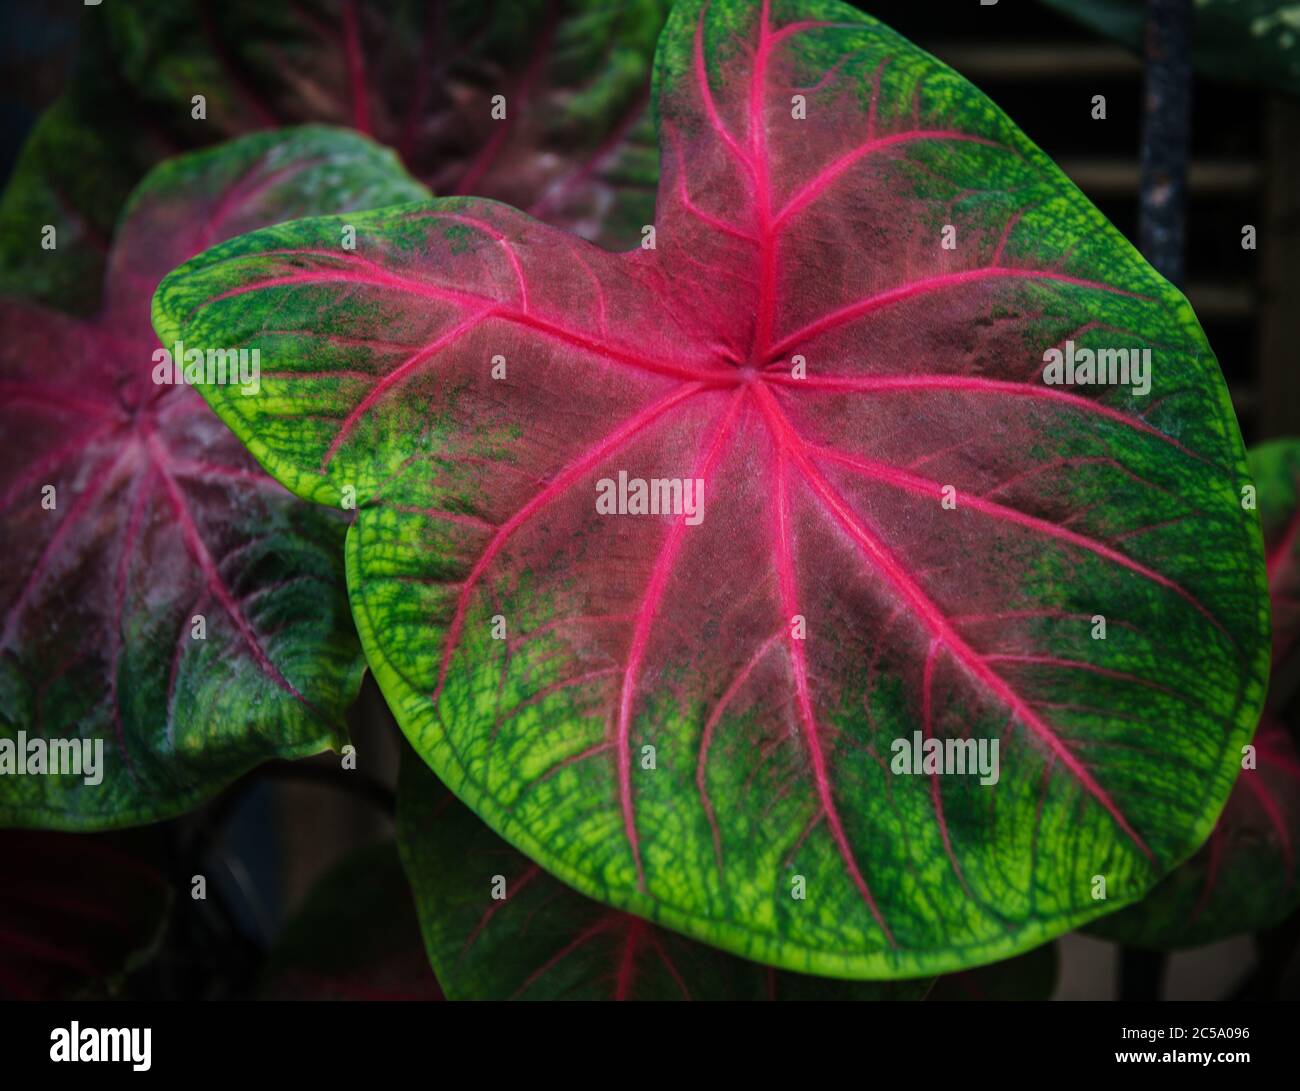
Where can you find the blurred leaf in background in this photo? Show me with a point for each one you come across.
(1242, 41)
(540, 103)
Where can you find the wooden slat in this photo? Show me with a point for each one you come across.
(1245, 399)
(1221, 300)
(1114, 177)
(1002, 63)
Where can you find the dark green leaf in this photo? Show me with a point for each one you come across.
(576, 146)
(171, 615)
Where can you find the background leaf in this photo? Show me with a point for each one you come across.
(1244, 41)
(1276, 469)
(76, 912)
(159, 516)
(773, 760)
(70, 177)
(576, 145)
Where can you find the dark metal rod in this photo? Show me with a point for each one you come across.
(1166, 130)
(1162, 214)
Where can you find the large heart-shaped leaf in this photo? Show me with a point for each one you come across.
(130, 511)
(906, 533)
(1244, 878)
(1245, 41)
(499, 927)
(575, 144)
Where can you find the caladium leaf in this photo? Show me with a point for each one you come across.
(355, 938)
(171, 616)
(77, 911)
(1244, 41)
(498, 927)
(1244, 878)
(907, 535)
(571, 138)
(58, 210)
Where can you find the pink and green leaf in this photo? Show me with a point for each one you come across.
(130, 511)
(575, 147)
(498, 927)
(772, 766)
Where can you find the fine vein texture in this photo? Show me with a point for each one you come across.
(906, 533)
(498, 927)
(1244, 877)
(572, 141)
(162, 598)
